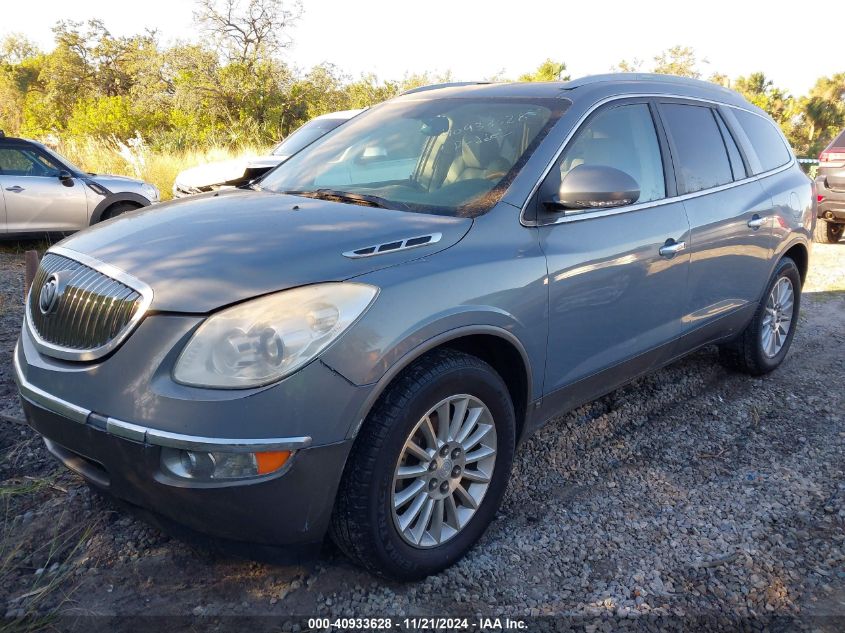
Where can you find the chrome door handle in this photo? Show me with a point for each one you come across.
(16, 189)
(671, 247)
(756, 222)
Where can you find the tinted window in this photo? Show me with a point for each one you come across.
(737, 167)
(702, 160)
(765, 139)
(840, 141)
(622, 137)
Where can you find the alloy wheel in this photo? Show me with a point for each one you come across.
(444, 471)
(778, 317)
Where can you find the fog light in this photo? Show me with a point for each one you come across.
(220, 465)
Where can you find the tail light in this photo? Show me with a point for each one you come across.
(832, 158)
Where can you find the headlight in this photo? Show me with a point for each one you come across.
(263, 340)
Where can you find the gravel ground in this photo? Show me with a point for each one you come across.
(694, 496)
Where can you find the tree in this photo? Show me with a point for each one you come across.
(822, 112)
(247, 31)
(678, 60)
(416, 80)
(549, 70)
(626, 66)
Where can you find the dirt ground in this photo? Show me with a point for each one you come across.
(692, 493)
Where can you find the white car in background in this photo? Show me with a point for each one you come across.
(232, 173)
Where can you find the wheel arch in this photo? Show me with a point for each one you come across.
(800, 254)
(116, 198)
(496, 346)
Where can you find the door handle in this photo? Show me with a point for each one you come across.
(15, 189)
(756, 222)
(671, 248)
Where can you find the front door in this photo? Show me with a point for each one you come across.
(36, 200)
(615, 290)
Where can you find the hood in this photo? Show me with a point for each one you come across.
(210, 250)
(115, 183)
(266, 162)
(213, 173)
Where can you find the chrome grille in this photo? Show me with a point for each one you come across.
(93, 312)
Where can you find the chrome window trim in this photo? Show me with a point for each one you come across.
(147, 435)
(66, 353)
(585, 214)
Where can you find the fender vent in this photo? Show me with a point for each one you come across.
(392, 247)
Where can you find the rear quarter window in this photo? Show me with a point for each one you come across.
(839, 142)
(767, 142)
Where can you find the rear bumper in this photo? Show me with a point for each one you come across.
(832, 207)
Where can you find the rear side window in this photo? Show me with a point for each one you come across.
(737, 167)
(766, 140)
(839, 143)
(701, 158)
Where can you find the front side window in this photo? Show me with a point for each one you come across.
(23, 161)
(765, 139)
(701, 159)
(622, 137)
(453, 156)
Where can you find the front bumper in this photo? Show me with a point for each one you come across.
(292, 509)
(110, 420)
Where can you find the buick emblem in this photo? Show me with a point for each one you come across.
(49, 297)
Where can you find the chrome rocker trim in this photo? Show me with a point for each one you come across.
(146, 435)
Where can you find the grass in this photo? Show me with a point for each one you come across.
(136, 160)
(58, 549)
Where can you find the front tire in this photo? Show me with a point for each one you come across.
(827, 232)
(764, 343)
(428, 469)
(118, 208)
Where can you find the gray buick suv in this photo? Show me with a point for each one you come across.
(357, 344)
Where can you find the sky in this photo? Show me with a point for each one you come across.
(477, 40)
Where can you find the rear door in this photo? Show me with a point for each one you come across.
(36, 200)
(730, 216)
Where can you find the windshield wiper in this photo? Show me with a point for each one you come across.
(348, 196)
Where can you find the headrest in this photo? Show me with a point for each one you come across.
(478, 153)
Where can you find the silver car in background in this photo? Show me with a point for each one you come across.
(43, 192)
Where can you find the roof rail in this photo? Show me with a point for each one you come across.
(451, 84)
(658, 77)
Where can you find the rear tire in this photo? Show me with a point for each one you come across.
(368, 518)
(827, 232)
(763, 345)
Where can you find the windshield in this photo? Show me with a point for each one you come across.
(62, 159)
(305, 135)
(444, 156)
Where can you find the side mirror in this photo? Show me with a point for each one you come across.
(594, 187)
(66, 178)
